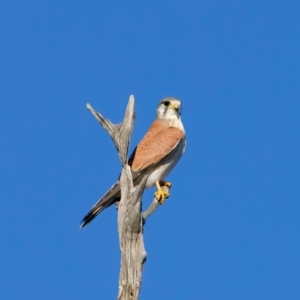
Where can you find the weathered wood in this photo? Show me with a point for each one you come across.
(130, 216)
(130, 225)
(120, 133)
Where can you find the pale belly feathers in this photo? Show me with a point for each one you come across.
(164, 168)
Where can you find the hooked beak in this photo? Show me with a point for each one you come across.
(175, 106)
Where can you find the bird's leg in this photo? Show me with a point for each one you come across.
(161, 195)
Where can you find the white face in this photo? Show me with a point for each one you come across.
(169, 108)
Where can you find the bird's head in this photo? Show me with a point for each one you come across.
(169, 108)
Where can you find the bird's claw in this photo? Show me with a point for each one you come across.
(161, 195)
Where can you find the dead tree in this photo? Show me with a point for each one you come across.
(131, 219)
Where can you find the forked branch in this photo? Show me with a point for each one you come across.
(130, 216)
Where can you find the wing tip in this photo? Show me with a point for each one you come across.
(91, 216)
(82, 225)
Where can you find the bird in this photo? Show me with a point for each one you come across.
(155, 156)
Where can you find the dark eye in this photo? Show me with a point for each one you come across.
(167, 103)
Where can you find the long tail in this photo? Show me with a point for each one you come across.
(110, 197)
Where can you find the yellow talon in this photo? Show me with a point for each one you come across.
(161, 195)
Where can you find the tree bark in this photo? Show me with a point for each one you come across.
(130, 217)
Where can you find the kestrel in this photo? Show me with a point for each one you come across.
(155, 156)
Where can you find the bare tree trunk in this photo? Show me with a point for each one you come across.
(130, 216)
(130, 225)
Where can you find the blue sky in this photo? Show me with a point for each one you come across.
(231, 227)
